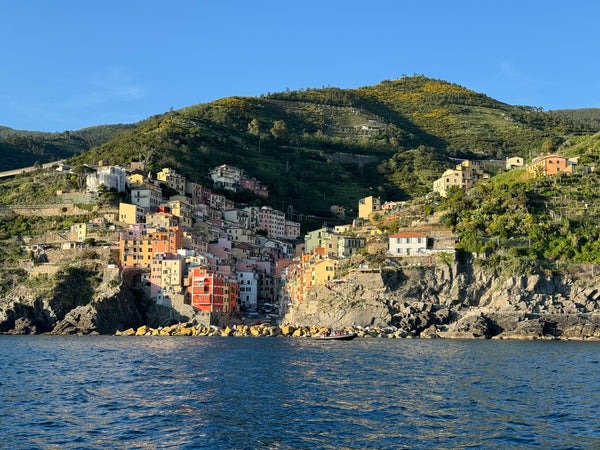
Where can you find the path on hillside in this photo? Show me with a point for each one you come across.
(12, 173)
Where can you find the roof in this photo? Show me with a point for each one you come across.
(408, 234)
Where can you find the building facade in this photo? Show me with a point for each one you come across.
(408, 244)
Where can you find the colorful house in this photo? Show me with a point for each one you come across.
(550, 165)
(205, 290)
(368, 206)
(138, 249)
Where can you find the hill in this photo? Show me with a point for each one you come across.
(588, 116)
(318, 147)
(528, 224)
(19, 148)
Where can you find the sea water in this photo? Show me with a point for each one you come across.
(106, 392)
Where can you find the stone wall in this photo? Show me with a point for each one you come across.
(42, 210)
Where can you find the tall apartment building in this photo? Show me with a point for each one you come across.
(139, 249)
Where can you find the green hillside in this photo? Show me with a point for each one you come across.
(587, 116)
(532, 224)
(318, 147)
(19, 148)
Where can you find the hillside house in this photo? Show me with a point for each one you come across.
(408, 243)
(550, 165)
(227, 177)
(255, 186)
(368, 206)
(172, 179)
(465, 175)
(514, 162)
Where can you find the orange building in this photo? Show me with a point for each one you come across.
(314, 268)
(138, 251)
(549, 165)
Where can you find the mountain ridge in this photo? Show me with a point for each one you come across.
(405, 131)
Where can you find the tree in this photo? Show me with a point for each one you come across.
(81, 172)
(279, 130)
(254, 128)
(548, 147)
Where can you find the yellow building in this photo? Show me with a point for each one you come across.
(131, 214)
(323, 271)
(450, 177)
(137, 179)
(79, 232)
(172, 179)
(367, 206)
(172, 275)
(514, 162)
(181, 206)
(465, 175)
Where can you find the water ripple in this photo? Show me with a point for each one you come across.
(162, 393)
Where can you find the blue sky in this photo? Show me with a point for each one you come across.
(69, 64)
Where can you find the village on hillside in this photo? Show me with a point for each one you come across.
(194, 246)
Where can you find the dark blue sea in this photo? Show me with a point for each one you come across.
(72, 392)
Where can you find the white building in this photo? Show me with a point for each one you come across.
(110, 177)
(146, 196)
(348, 246)
(227, 177)
(239, 216)
(248, 289)
(408, 244)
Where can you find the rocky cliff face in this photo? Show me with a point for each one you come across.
(105, 314)
(104, 311)
(458, 302)
(442, 301)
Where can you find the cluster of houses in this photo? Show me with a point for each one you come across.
(466, 174)
(197, 247)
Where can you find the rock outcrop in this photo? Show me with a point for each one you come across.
(104, 315)
(447, 302)
(436, 301)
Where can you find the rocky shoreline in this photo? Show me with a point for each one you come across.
(530, 329)
(440, 301)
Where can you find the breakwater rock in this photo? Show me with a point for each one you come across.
(455, 302)
(262, 330)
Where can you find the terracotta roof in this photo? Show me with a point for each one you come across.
(407, 234)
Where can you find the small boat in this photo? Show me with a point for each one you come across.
(336, 336)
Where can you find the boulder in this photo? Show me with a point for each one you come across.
(471, 326)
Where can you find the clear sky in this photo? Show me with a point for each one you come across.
(71, 64)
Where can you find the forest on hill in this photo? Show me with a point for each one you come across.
(317, 147)
(20, 148)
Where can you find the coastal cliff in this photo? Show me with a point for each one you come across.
(448, 301)
(455, 301)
